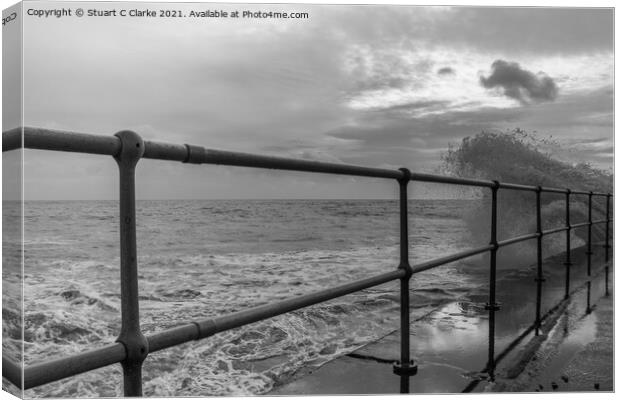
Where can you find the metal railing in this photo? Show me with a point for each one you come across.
(132, 347)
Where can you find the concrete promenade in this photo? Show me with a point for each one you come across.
(572, 352)
(577, 357)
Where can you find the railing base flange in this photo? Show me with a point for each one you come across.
(409, 369)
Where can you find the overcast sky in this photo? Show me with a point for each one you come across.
(385, 86)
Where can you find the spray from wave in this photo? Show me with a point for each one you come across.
(517, 157)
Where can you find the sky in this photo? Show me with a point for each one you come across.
(379, 86)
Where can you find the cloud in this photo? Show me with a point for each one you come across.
(526, 30)
(416, 142)
(414, 106)
(520, 84)
(446, 71)
(365, 85)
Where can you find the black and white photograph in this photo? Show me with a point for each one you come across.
(205, 199)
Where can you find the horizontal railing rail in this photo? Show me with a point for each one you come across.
(132, 347)
(57, 140)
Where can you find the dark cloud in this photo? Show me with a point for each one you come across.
(446, 71)
(519, 83)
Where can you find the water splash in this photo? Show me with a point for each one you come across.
(524, 158)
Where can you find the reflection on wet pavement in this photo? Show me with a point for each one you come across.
(451, 344)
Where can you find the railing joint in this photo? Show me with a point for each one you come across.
(406, 176)
(136, 347)
(132, 148)
(195, 154)
(408, 270)
(198, 329)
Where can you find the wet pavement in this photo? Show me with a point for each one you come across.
(578, 356)
(451, 344)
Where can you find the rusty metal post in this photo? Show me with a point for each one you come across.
(607, 245)
(492, 305)
(135, 343)
(405, 367)
(589, 251)
(567, 263)
(539, 275)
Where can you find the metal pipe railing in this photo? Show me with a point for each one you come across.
(131, 336)
(212, 326)
(12, 371)
(589, 250)
(58, 140)
(50, 371)
(567, 262)
(45, 139)
(12, 139)
(437, 262)
(132, 347)
(539, 271)
(517, 239)
(405, 367)
(554, 230)
(607, 245)
(492, 306)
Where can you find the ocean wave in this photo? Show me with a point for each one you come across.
(515, 157)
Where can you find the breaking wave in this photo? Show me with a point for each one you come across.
(518, 157)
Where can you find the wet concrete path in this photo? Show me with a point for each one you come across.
(577, 357)
(451, 344)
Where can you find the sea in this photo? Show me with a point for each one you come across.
(199, 259)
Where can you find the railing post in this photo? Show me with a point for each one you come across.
(539, 275)
(135, 343)
(492, 305)
(607, 245)
(567, 263)
(589, 251)
(405, 367)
